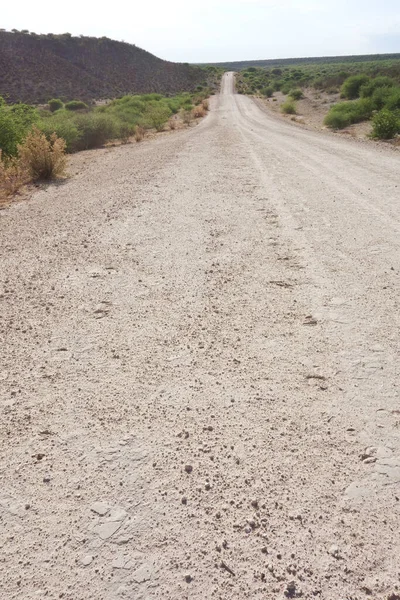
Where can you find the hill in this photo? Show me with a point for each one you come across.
(282, 62)
(35, 68)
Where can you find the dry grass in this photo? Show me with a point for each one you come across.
(13, 176)
(199, 111)
(206, 104)
(139, 133)
(38, 159)
(42, 158)
(187, 117)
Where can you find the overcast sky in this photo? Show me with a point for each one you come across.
(222, 30)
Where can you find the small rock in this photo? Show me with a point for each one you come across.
(290, 591)
(100, 508)
(188, 468)
(46, 479)
(184, 500)
(334, 551)
(106, 530)
(188, 578)
(117, 514)
(87, 560)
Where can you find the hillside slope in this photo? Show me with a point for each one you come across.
(36, 68)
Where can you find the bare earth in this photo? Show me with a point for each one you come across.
(199, 366)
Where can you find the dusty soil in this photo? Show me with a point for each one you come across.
(312, 110)
(199, 370)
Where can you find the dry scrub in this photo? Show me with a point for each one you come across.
(38, 159)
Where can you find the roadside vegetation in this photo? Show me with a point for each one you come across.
(33, 140)
(368, 90)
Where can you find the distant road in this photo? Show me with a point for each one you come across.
(199, 369)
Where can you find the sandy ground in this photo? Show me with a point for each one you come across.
(199, 361)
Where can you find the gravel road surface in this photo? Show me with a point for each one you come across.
(199, 369)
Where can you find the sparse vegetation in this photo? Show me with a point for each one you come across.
(288, 107)
(368, 86)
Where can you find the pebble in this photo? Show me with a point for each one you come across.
(106, 530)
(188, 468)
(188, 578)
(117, 514)
(334, 551)
(100, 508)
(87, 560)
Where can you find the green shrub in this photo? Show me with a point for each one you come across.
(55, 104)
(62, 124)
(367, 90)
(385, 125)
(268, 91)
(76, 105)
(337, 120)
(95, 130)
(296, 94)
(344, 114)
(351, 87)
(381, 96)
(393, 101)
(10, 134)
(285, 88)
(156, 116)
(288, 108)
(15, 123)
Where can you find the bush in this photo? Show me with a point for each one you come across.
(288, 108)
(367, 90)
(385, 125)
(351, 87)
(95, 129)
(337, 120)
(393, 101)
(156, 116)
(55, 104)
(381, 96)
(199, 111)
(10, 134)
(206, 104)
(42, 158)
(12, 176)
(296, 94)
(268, 91)
(285, 88)
(15, 122)
(187, 117)
(139, 133)
(63, 125)
(76, 105)
(344, 114)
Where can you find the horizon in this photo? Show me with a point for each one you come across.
(228, 30)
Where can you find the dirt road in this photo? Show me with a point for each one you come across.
(198, 370)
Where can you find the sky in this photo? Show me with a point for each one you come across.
(222, 30)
